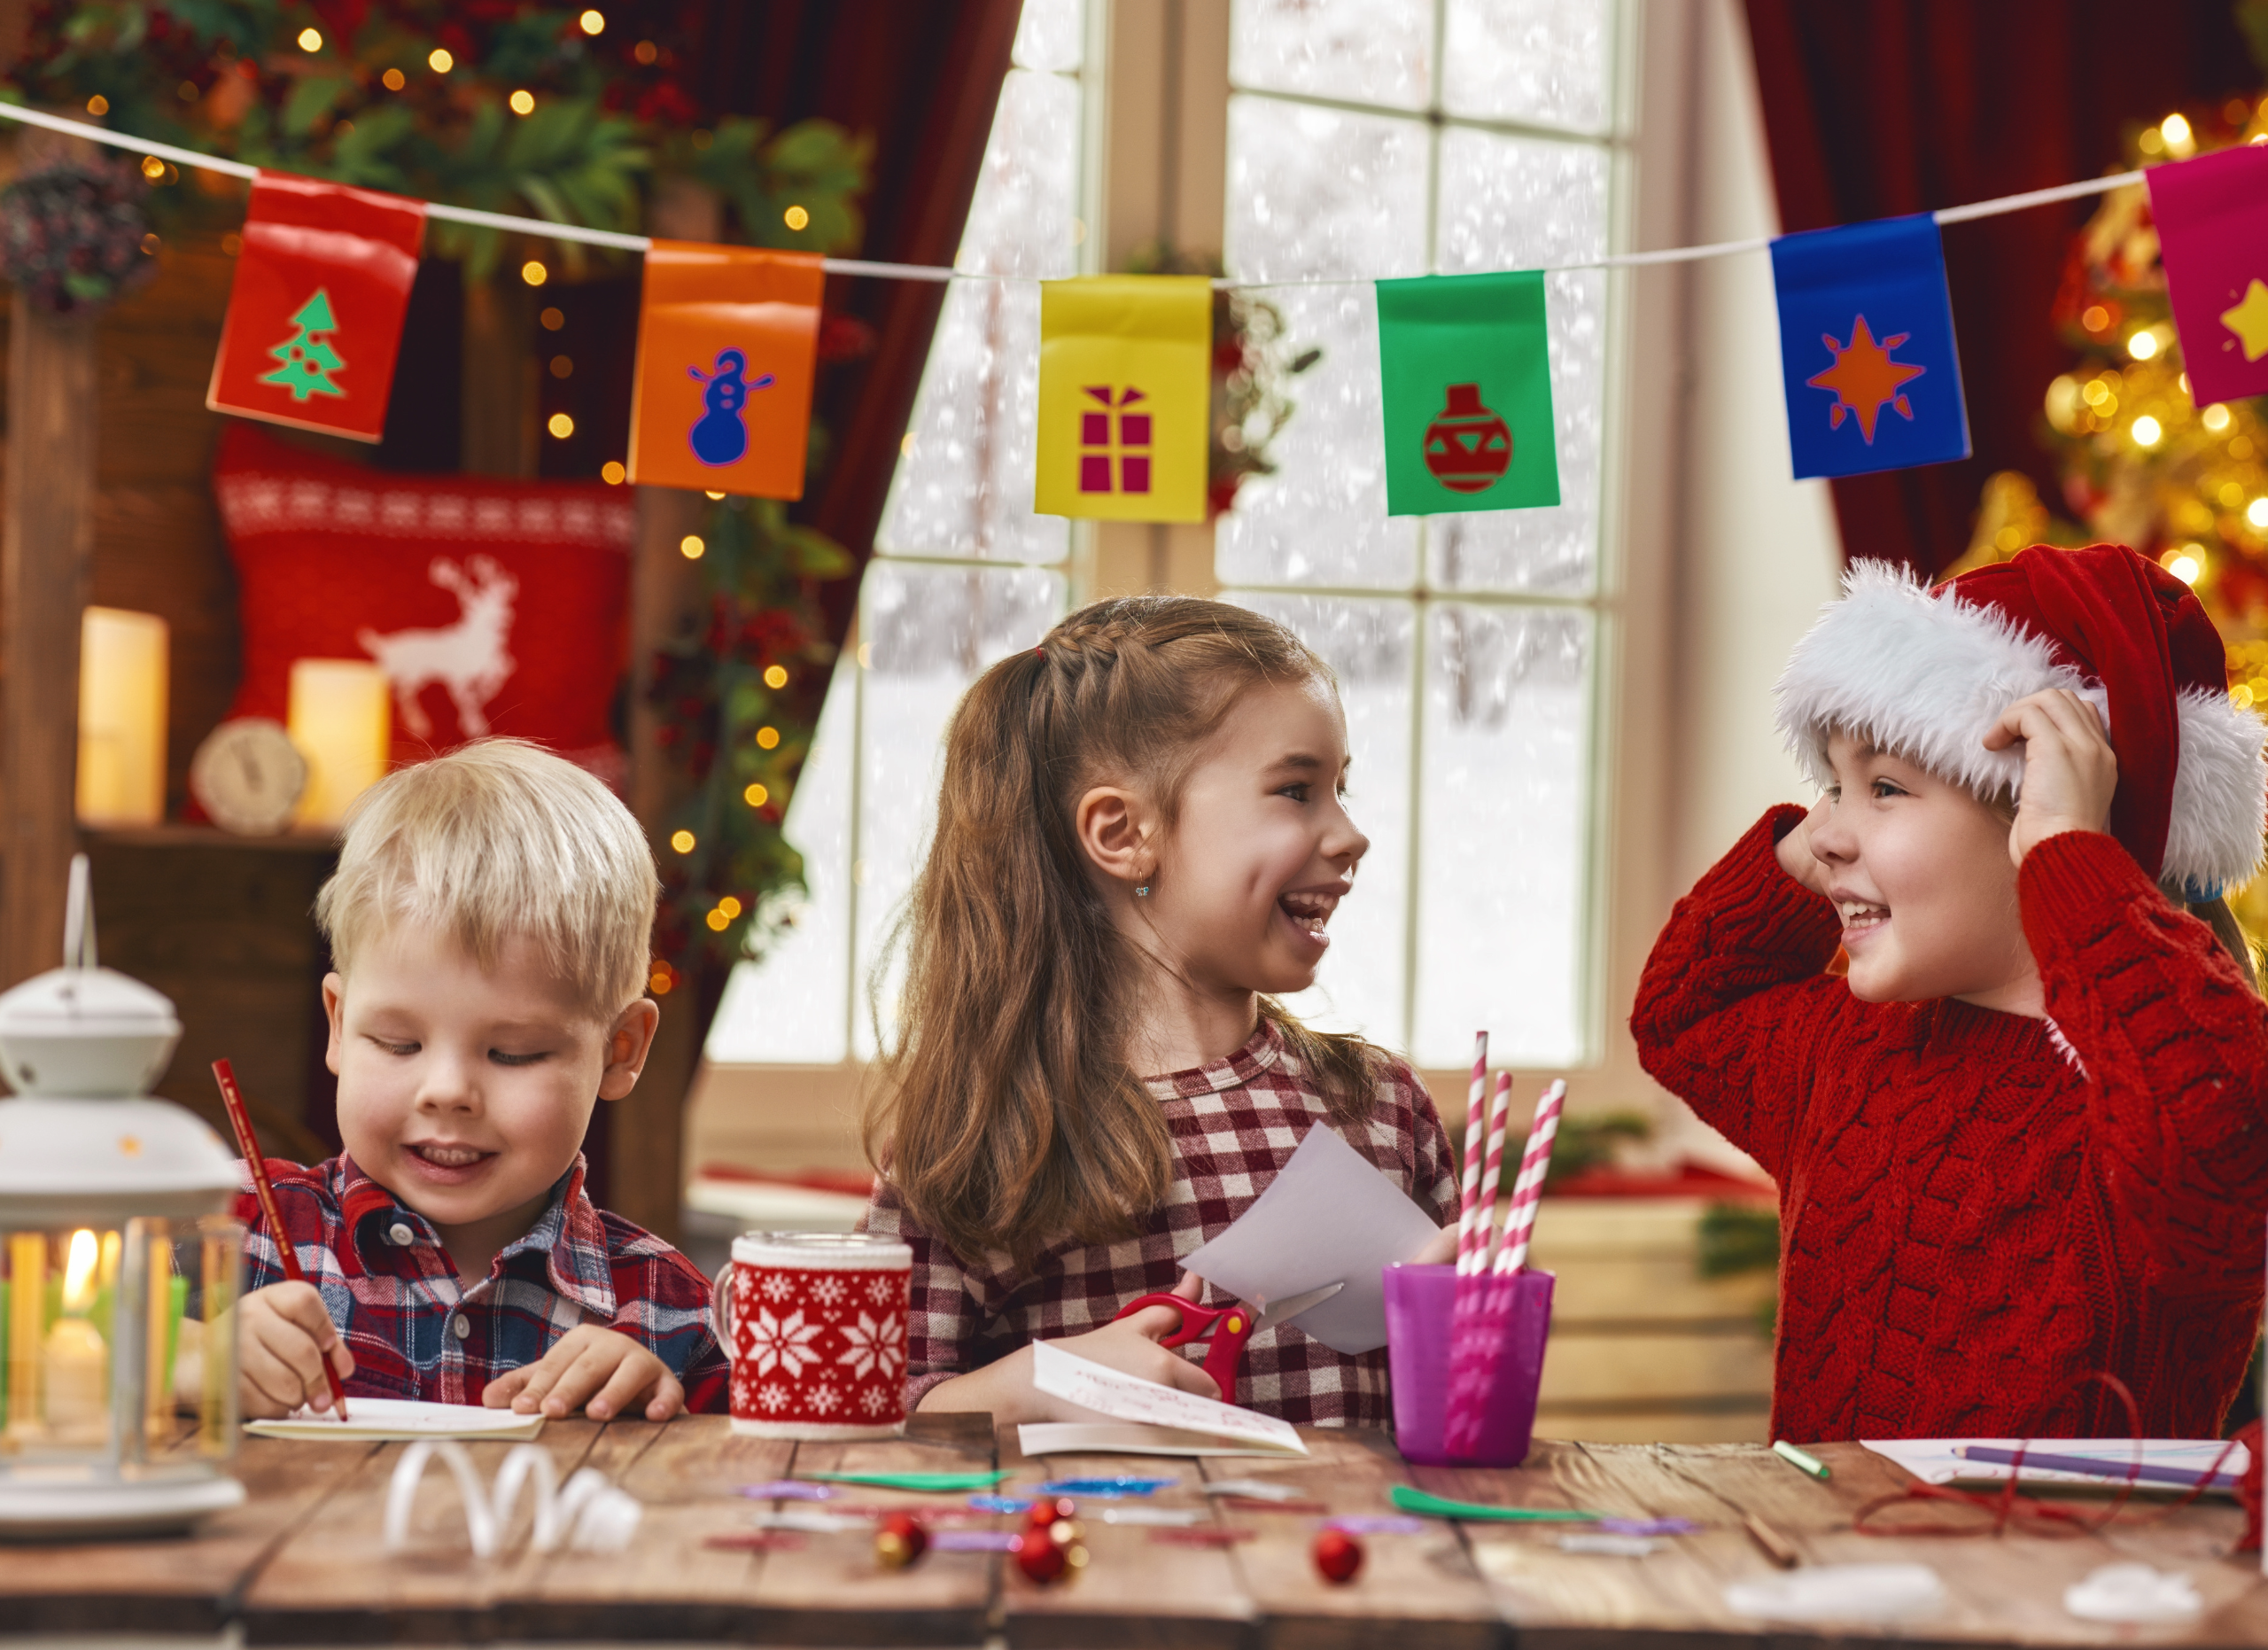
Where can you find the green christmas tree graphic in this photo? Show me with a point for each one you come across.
(305, 360)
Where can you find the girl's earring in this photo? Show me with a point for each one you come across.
(1142, 893)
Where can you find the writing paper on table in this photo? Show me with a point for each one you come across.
(376, 1420)
(1941, 1460)
(1328, 1216)
(1138, 1417)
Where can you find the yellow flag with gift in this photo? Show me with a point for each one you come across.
(1125, 385)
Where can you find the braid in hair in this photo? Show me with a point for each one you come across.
(1008, 1117)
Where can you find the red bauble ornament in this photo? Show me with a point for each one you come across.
(1468, 447)
(1338, 1556)
(899, 1540)
(1039, 1558)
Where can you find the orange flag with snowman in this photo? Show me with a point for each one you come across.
(728, 355)
(1125, 385)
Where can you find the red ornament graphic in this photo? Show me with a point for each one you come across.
(1468, 447)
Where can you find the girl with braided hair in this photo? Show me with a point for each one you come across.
(1141, 838)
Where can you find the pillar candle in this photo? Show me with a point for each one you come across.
(122, 717)
(341, 717)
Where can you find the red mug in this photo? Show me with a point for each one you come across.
(814, 1323)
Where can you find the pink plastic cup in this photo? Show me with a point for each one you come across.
(1420, 1302)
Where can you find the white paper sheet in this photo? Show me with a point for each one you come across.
(373, 1419)
(1111, 1438)
(1116, 1397)
(1937, 1460)
(1328, 1216)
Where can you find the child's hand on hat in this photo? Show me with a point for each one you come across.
(2070, 770)
(284, 1335)
(601, 1372)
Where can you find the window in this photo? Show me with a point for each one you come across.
(1374, 138)
(963, 571)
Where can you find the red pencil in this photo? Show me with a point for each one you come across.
(248, 1143)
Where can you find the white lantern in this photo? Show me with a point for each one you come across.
(120, 1265)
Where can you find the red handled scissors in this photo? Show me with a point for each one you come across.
(1230, 1326)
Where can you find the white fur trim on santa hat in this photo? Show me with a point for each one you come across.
(1926, 675)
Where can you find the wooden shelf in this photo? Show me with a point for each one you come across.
(181, 836)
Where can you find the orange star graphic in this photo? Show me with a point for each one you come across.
(1865, 378)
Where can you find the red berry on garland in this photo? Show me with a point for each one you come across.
(1337, 1555)
(900, 1540)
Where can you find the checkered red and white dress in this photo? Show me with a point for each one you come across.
(1234, 1122)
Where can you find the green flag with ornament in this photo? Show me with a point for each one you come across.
(1465, 385)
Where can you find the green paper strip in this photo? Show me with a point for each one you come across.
(939, 1484)
(1409, 1500)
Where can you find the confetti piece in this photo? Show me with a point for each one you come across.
(1212, 1537)
(1240, 1504)
(1169, 1517)
(1608, 1546)
(930, 1483)
(1253, 1489)
(756, 1541)
(1105, 1488)
(1411, 1500)
(990, 1503)
(809, 1523)
(1648, 1526)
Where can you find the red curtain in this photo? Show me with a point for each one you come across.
(1893, 106)
(922, 76)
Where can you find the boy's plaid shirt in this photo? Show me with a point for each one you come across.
(1234, 1122)
(415, 1333)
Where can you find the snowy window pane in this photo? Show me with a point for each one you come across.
(1320, 192)
(792, 1005)
(1502, 835)
(1049, 34)
(1543, 61)
(1360, 50)
(1368, 644)
(964, 488)
(930, 631)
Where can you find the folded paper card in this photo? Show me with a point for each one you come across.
(1329, 1216)
(379, 1419)
(2167, 1463)
(1150, 1419)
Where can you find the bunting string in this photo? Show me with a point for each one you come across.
(941, 273)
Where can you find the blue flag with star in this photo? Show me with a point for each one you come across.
(1867, 348)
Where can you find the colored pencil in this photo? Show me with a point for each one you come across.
(248, 1143)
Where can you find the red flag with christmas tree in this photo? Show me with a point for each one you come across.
(315, 316)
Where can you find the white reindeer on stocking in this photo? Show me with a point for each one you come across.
(468, 658)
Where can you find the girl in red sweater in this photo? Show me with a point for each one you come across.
(2027, 1138)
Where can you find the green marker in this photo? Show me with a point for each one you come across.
(1800, 1460)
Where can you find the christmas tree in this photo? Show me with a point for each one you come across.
(305, 360)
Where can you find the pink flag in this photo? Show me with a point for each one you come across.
(2212, 218)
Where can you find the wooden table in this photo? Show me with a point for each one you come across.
(300, 1562)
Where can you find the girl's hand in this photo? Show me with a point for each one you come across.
(1794, 849)
(1130, 1344)
(2070, 770)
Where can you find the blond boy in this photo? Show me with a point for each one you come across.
(489, 923)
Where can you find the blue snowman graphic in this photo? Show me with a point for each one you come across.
(719, 437)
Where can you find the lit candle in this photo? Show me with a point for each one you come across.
(76, 1358)
(342, 719)
(122, 717)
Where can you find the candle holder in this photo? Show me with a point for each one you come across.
(119, 1266)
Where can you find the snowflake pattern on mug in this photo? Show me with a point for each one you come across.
(821, 1346)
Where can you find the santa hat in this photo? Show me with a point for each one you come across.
(1926, 673)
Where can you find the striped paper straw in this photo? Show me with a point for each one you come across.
(1469, 1206)
(1527, 1191)
(1492, 1169)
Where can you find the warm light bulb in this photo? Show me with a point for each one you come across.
(682, 841)
(79, 1271)
(152, 168)
(718, 920)
(612, 473)
(775, 676)
(2143, 344)
(2257, 512)
(729, 905)
(560, 425)
(311, 40)
(393, 80)
(707, 493)
(442, 60)
(522, 101)
(2182, 566)
(2094, 318)
(533, 273)
(795, 217)
(691, 546)
(2178, 138)
(2217, 418)
(756, 796)
(98, 105)
(767, 738)
(2147, 431)
(593, 22)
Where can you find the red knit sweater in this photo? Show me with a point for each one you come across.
(1971, 1218)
